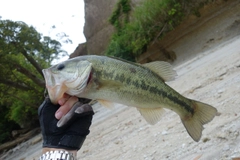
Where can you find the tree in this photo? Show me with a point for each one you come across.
(23, 54)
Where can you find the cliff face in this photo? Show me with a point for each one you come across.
(219, 20)
(97, 29)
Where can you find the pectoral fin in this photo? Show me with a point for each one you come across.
(106, 104)
(152, 116)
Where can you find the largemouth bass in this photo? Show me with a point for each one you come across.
(142, 86)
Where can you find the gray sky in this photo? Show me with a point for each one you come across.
(67, 16)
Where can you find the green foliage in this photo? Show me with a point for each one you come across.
(117, 47)
(6, 125)
(120, 15)
(24, 107)
(175, 14)
(23, 54)
(149, 21)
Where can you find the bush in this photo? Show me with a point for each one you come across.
(149, 21)
(6, 125)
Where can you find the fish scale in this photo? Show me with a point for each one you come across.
(110, 80)
(140, 86)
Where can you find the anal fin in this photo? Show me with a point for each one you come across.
(152, 116)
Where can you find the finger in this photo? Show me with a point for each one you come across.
(78, 110)
(65, 108)
(64, 99)
(86, 108)
(69, 115)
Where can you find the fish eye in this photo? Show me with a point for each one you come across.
(60, 66)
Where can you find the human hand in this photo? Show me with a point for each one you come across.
(70, 136)
(66, 103)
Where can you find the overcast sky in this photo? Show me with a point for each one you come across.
(66, 15)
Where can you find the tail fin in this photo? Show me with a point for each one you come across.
(203, 114)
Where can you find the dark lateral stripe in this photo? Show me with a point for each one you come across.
(153, 90)
(172, 98)
(160, 92)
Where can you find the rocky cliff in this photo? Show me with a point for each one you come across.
(97, 29)
(207, 29)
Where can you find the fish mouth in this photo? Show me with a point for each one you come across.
(55, 89)
(56, 92)
(57, 86)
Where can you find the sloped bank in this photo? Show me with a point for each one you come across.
(208, 30)
(219, 22)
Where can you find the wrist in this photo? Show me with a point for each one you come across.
(45, 150)
(66, 142)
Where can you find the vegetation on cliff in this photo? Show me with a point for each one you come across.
(147, 22)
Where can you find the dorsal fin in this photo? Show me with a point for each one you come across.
(163, 69)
